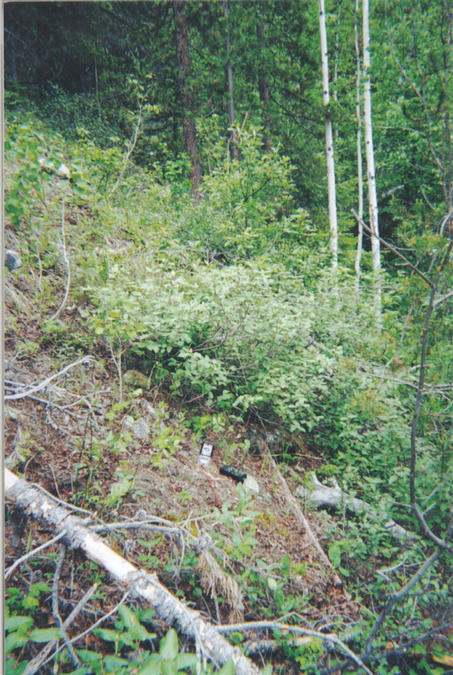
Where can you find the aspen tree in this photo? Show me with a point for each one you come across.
(371, 172)
(329, 138)
(359, 147)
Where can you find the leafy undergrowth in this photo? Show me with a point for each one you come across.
(76, 441)
(227, 334)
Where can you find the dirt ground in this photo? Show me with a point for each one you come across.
(65, 438)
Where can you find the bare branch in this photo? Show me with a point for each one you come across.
(396, 597)
(44, 383)
(444, 298)
(55, 609)
(287, 628)
(31, 554)
(420, 391)
(38, 661)
(137, 581)
(392, 248)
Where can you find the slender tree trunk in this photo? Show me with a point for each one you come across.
(448, 161)
(232, 141)
(336, 61)
(329, 139)
(358, 112)
(371, 172)
(183, 61)
(263, 88)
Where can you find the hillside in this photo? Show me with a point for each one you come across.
(228, 338)
(124, 448)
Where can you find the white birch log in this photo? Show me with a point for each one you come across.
(320, 496)
(329, 138)
(137, 581)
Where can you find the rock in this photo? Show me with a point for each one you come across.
(12, 260)
(139, 428)
(135, 378)
(251, 485)
(257, 442)
(12, 413)
(49, 167)
(149, 409)
(63, 171)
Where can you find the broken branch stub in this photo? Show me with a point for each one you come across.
(139, 583)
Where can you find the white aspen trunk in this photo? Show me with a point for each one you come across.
(329, 138)
(371, 173)
(358, 113)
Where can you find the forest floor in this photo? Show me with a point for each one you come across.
(122, 461)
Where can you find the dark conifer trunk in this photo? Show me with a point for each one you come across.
(183, 61)
(263, 89)
(234, 152)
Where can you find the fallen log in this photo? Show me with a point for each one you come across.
(138, 582)
(321, 496)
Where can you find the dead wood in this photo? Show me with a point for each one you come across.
(136, 581)
(320, 496)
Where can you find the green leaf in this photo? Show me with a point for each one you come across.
(169, 668)
(30, 602)
(272, 584)
(39, 587)
(186, 661)
(114, 663)
(11, 668)
(16, 622)
(335, 553)
(13, 641)
(127, 639)
(169, 646)
(107, 634)
(128, 616)
(45, 634)
(88, 656)
(151, 666)
(227, 668)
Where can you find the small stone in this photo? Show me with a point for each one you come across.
(63, 172)
(135, 378)
(140, 429)
(150, 410)
(12, 260)
(251, 485)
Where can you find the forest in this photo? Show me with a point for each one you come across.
(228, 330)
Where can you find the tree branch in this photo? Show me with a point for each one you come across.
(48, 380)
(137, 582)
(393, 249)
(420, 390)
(287, 628)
